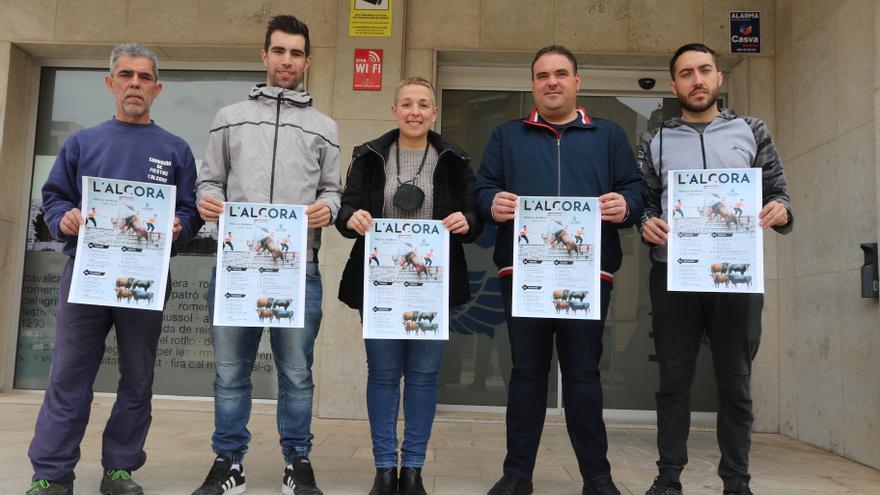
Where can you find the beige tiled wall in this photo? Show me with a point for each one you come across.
(7, 334)
(18, 85)
(826, 101)
(28, 21)
(447, 24)
(751, 89)
(662, 27)
(177, 22)
(593, 26)
(362, 116)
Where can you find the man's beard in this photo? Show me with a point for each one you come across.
(713, 100)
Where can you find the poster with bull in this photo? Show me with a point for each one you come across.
(406, 280)
(124, 248)
(715, 241)
(261, 276)
(556, 252)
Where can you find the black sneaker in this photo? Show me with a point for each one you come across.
(742, 489)
(45, 487)
(222, 479)
(119, 482)
(301, 479)
(662, 486)
(602, 486)
(511, 484)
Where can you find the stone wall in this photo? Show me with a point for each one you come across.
(826, 102)
(18, 89)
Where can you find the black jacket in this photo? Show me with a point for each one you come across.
(365, 190)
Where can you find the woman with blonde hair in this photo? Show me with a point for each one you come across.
(412, 155)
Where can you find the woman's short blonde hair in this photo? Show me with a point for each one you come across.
(417, 81)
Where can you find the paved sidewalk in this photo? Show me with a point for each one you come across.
(464, 455)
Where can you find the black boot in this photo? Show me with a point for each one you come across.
(410, 482)
(385, 482)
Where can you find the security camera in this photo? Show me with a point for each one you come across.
(647, 83)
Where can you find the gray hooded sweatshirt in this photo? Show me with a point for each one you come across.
(273, 147)
(729, 141)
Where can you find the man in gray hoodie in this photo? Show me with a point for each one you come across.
(704, 137)
(273, 147)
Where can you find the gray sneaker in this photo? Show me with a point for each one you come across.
(45, 487)
(119, 482)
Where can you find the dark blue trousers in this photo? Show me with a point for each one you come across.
(579, 347)
(80, 331)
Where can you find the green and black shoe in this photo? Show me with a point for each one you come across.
(119, 482)
(45, 487)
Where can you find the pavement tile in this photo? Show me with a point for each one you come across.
(464, 456)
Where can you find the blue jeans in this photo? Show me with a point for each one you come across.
(235, 350)
(418, 361)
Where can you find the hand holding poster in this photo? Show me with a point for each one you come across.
(556, 256)
(124, 248)
(715, 242)
(261, 277)
(406, 280)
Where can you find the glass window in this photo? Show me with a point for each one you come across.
(476, 363)
(71, 99)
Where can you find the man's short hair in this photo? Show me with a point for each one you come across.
(414, 80)
(691, 47)
(133, 50)
(290, 25)
(557, 49)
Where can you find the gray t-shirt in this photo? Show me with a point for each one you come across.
(697, 126)
(409, 165)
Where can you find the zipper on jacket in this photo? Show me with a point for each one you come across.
(559, 164)
(434, 177)
(703, 150)
(436, 166)
(558, 152)
(275, 148)
(382, 157)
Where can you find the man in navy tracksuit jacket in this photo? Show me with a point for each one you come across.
(557, 151)
(127, 147)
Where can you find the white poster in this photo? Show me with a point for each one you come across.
(556, 257)
(406, 280)
(261, 276)
(715, 241)
(124, 248)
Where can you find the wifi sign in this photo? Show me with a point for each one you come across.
(367, 69)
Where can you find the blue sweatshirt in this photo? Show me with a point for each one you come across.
(119, 150)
